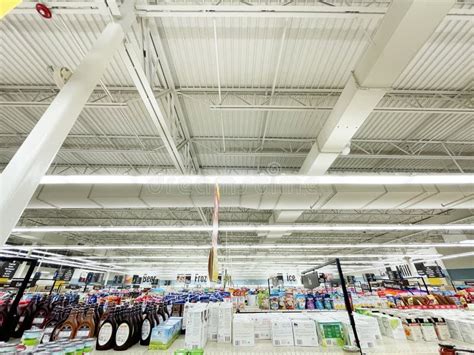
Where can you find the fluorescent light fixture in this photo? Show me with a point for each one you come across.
(248, 228)
(250, 263)
(259, 256)
(455, 256)
(437, 179)
(240, 246)
(469, 241)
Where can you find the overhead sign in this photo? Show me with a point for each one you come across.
(8, 268)
(430, 271)
(64, 274)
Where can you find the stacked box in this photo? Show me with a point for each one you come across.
(304, 332)
(428, 329)
(330, 332)
(441, 328)
(393, 327)
(162, 336)
(467, 330)
(412, 328)
(224, 330)
(243, 331)
(263, 326)
(196, 326)
(282, 332)
(213, 321)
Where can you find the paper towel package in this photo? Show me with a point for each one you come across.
(243, 331)
(224, 325)
(304, 332)
(282, 332)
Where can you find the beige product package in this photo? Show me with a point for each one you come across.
(454, 330)
(428, 329)
(213, 321)
(304, 332)
(394, 328)
(263, 326)
(282, 332)
(243, 331)
(412, 329)
(224, 326)
(196, 327)
(467, 330)
(441, 329)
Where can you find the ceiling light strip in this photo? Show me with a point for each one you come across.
(241, 246)
(437, 179)
(248, 228)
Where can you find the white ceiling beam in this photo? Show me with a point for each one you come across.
(133, 63)
(26, 104)
(276, 11)
(23, 174)
(291, 108)
(14, 88)
(403, 31)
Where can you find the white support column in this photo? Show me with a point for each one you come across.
(405, 28)
(24, 172)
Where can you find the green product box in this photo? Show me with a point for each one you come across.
(196, 352)
(181, 352)
(331, 333)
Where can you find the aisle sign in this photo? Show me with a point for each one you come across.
(430, 271)
(8, 268)
(64, 274)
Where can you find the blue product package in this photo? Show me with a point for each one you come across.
(309, 301)
(319, 303)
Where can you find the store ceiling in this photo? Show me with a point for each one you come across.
(217, 121)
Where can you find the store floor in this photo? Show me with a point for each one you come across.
(386, 346)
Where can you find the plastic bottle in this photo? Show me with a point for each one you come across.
(147, 325)
(106, 333)
(124, 332)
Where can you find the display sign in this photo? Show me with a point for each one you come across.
(118, 279)
(72, 287)
(200, 278)
(393, 274)
(63, 274)
(183, 278)
(277, 280)
(8, 268)
(17, 283)
(396, 284)
(351, 279)
(369, 277)
(310, 280)
(212, 264)
(430, 271)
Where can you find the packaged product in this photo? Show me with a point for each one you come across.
(289, 301)
(318, 301)
(274, 303)
(330, 333)
(300, 301)
(282, 332)
(224, 327)
(304, 332)
(309, 301)
(243, 331)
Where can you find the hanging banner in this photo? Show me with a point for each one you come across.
(7, 5)
(213, 267)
